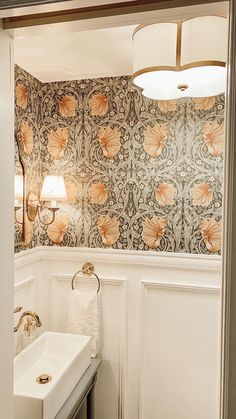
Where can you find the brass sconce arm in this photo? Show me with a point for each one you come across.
(33, 208)
(53, 210)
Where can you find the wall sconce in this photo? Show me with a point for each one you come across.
(53, 191)
(19, 195)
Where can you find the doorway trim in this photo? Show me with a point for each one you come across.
(228, 337)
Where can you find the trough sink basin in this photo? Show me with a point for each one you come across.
(61, 356)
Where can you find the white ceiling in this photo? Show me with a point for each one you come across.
(90, 48)
(76, 55)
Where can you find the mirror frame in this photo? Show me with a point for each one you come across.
(21, 242)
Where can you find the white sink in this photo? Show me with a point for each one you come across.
(64, 357)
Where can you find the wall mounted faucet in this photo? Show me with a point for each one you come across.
(30, 325)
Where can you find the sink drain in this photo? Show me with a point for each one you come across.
(43, 379)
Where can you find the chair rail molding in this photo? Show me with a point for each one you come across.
(163, 260)
(24, 284)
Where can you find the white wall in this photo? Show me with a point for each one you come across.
(159, 326)
(6, 224)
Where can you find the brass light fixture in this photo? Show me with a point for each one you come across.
(185, 58)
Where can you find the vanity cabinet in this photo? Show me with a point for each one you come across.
(81, 404)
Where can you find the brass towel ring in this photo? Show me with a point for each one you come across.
(88, 270)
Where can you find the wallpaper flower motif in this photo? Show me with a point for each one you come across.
(57, 140)
(213, 134)
(98, 104)
(58, 228)
(165, 194)
(27, 137)
(140, 174)
(21, 95)
(153, 231)
(108, 229)
(154, 139)
(202, 194)
(67, 106)
(211, 234)
(204, 103)
(109, 140)
(98, 193)
(167, 105)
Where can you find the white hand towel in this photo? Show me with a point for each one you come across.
(83, 316)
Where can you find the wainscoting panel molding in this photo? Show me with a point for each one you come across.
(24, 293)
(24, 296)
(180, 351)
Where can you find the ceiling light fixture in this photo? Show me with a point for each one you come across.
(187, 58)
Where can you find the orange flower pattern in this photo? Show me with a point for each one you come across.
(165, 194)
(213, 134)
(26, 137)
(211, 234)
(204, 103)
(153, 231)
(139, 174)
(57, 140)
(201, 194)
(166, 106)
(21, 95)
(154, 139)
(57, 230)
(98, 193)
(108, 229)
(98, 104)
(67, 106)
(109, 140)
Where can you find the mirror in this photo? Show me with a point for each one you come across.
(19, 237)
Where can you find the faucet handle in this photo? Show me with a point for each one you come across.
(38, 321)
(17, 309)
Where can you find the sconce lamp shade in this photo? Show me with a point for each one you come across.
(19, 187)
(173, 60)
(53, 189)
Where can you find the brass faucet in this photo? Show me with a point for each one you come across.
(31, 314)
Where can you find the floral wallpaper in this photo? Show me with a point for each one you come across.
(140, 174)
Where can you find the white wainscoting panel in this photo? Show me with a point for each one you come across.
(24, 293)
(24, 297)
(180, 356)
